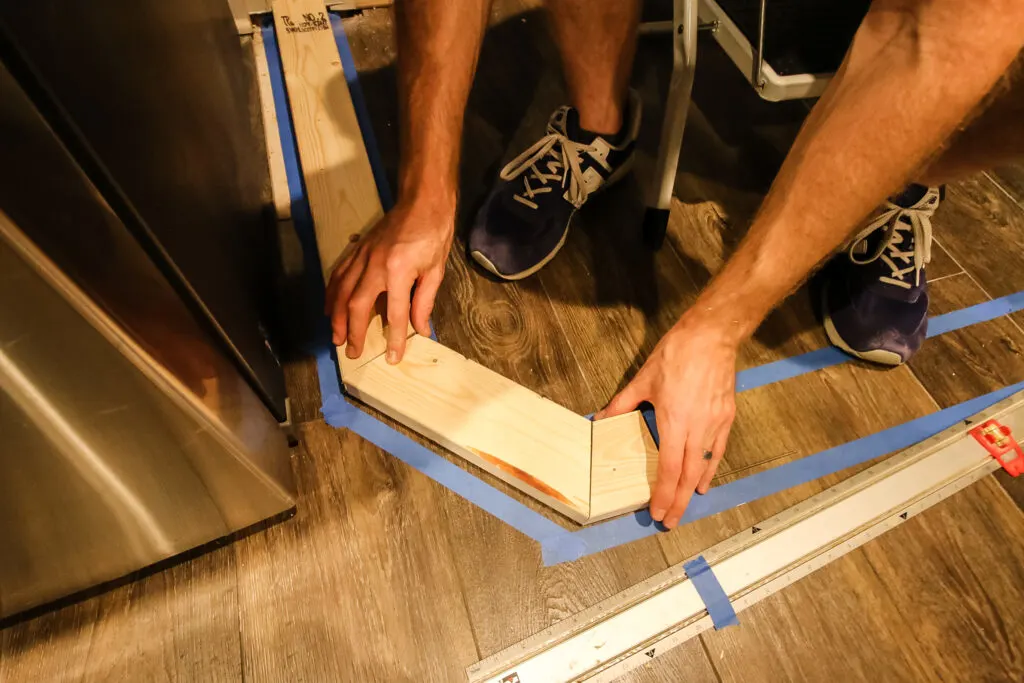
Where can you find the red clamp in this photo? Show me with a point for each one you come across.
(1001, 445)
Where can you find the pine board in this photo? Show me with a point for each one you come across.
(530, 442)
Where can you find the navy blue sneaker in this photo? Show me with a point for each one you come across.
(875, 302)
(526, 218)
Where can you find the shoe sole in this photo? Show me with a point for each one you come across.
(619, 174)
(880, 356)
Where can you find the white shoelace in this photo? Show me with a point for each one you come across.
(889, 249)
(563, 161)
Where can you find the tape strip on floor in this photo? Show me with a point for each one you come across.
(711, 592)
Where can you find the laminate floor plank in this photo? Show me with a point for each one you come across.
(1011, 180)
(952, 572)
(180, 624)
(361, 584)
(386, 575)
(983, 229)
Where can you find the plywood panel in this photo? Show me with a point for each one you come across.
(532, 443)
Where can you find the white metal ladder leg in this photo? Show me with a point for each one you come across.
(677, 104)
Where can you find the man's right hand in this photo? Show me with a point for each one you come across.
(407, 248)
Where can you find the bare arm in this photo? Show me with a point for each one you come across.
(438, 45)
(916, 70)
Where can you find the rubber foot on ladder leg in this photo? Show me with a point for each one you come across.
(655, 227)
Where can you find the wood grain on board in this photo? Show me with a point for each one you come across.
(340, 186)
(624, 465)
(528, 441)
(180, 624)
(385, 575)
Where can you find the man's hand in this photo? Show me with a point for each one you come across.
(406, 249)
(690, 379)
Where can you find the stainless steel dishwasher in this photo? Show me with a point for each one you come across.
(140, 398)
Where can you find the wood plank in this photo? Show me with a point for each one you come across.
(275, 155)
(530, 442)
(348, 5)
(623, 467)
(339, 180)
(361, 584)
(340, 187)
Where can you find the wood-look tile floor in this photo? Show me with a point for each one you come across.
(384, 575)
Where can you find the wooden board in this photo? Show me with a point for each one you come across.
(275, 155)
(340, 187)
(624, 466)
(339, 180)
(528, 441)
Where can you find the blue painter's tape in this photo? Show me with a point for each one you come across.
(727, 496)
(972, 315)
(362, 114)
(770, 373)
(711, 592)
(336, 410)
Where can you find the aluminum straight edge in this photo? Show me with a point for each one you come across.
(643, 622)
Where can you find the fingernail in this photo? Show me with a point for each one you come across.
(598, 415)
(391, 357)
(337, 340)
(657, 514)
(702, 489)
(350, 351)
(671, 523)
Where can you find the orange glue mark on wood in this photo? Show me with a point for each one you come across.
(522, 476)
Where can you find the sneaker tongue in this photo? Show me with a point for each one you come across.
(869, 274)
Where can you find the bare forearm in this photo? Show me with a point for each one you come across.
(915, 72)
(439, 42)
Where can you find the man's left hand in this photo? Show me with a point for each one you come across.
(690, 378)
